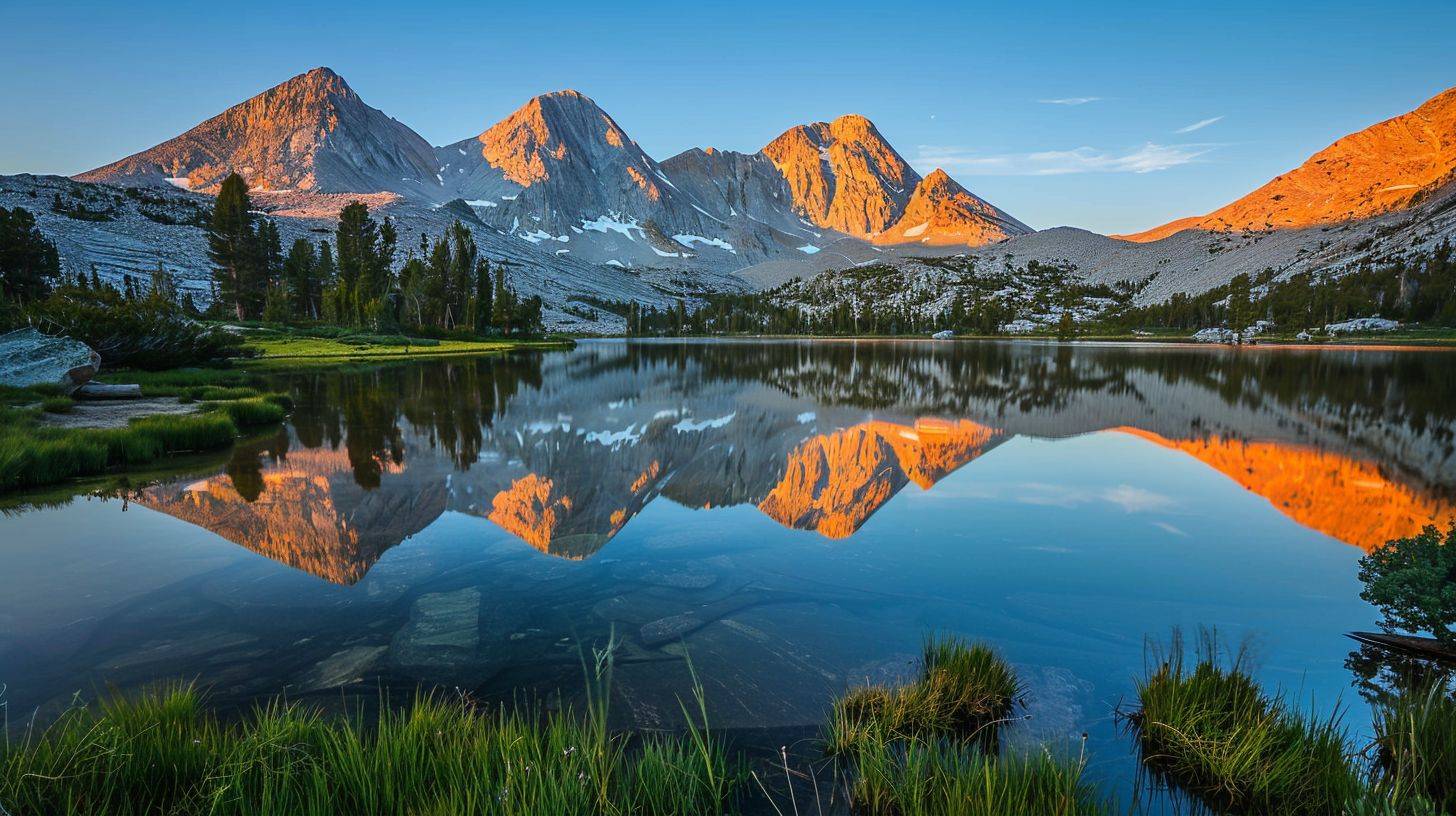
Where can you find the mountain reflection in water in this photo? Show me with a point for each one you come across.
(563, 450)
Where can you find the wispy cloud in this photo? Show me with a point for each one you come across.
(1071, 100)
(1199, 125)
(1148, 158)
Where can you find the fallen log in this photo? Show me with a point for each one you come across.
(107, 391)
(1428, 648)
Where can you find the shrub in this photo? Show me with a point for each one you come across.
(147, 333)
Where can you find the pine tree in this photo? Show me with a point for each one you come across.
(28, 260)
(483, 297)
(300, 272)
(230, 245)
(1239, 315)
(503, 306)
(357, 239)
(463, 255)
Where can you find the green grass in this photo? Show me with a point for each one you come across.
(163, 753)
(35, 456)
(1214, 733)
(1415, 735)
(936, 777)
(295, 347)
(252, 410)
(57, 405)
(964, 690)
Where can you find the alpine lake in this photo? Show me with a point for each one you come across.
(780, 519)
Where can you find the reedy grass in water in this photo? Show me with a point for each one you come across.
(933, 777)
(964, 690)
(1415, 740)
(1214, 733)
(252, 410)
(33, 456)
(163, 754)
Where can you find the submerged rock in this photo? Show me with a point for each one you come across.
(443, 630)
(341, 668)
(28, 357)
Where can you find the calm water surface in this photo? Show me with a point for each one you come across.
(796, 516)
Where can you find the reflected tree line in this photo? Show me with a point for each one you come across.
(449, 403)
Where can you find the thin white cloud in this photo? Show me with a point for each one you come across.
(1071, 100)
(1199, 125)
(1149, 158)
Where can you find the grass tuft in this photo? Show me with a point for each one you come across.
(964, 690)
(32, 457)
(57, 405)
(1210, 730)
(251, 411)
(1415, 735)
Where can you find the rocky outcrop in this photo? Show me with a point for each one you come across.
(311, 133)
(28, 357)
(1386, 167)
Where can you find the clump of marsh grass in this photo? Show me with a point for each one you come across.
(1415, 740)
(164, 753)
(32, 457)
(964, 690)
(252, 410)
(1209, 729)
(931, 777)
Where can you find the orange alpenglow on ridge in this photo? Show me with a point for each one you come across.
(943, 213)
(1343, 498)
(1389, 166)
(834, 482)
(843, 174)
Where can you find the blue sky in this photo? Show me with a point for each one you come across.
(1061, 112)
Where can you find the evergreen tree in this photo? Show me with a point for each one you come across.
(357, 240)
(28, 260)
(300, 277)
(503, 305)
(463, 255)
(484, 299)
(1239, 312)
(231, 246)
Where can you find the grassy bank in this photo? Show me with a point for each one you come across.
(163, 753)
(282, 343)
(36, 454)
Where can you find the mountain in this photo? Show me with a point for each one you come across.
(943, 213)
(843, 175)
(311, 133)
(560, 166)
(1387, 167)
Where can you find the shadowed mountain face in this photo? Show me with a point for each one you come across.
(562, 451)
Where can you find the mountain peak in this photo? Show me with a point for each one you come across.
(843, 174)
(943, 213)
(310, 133)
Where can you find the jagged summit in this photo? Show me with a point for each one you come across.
(844, 175)
(311, 133)
(1389, 166)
